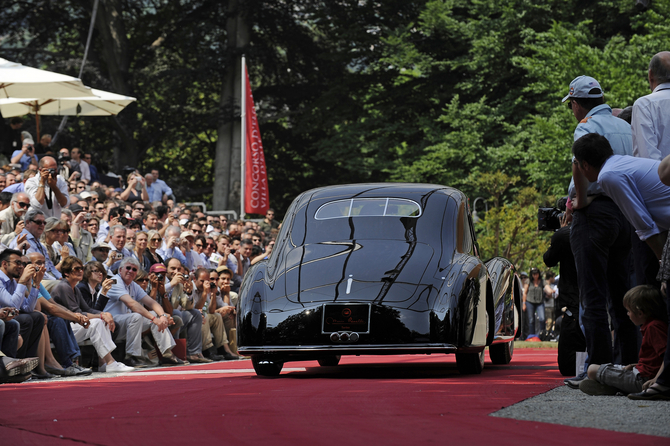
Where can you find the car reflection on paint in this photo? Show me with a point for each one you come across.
(381, 269)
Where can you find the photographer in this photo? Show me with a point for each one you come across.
(26, 155)
(136, 189)
(47, 191)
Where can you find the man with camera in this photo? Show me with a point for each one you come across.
(11, 219)
(204, 297)
(48, 192)
(600, 234)
(26, 155)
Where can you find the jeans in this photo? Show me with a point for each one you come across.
(9, 337)
(600, 241)
(531, 309)
(193, 327)
(63, 339)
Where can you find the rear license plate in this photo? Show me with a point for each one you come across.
(346, 317)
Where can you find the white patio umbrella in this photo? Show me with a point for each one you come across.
(20, 81)
(103, 103)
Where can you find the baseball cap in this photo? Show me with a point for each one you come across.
(85, 195)
(28, 141)
(75, 208)
(583, 87)
(186, 234)
(222, 268)
(157, 268)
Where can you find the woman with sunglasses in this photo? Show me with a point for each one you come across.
(95, 285)
(102, 323)
(50, 236)
(154, 243)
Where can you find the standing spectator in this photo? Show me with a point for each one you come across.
(600, 234)
(651, 139)
(44, 145)
(162, 189)
(571, 339)
(25, 155)
(95, 176)
(47, 191)
(533, 300)
(136, 189)
(268, 223)
(80, 165)
(10, 136)
(550, 293)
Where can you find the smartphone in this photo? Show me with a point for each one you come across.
(113, 281)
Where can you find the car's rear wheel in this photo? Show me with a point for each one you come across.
(470, 363)
(501, 353)
(266, 366)
(329, 361)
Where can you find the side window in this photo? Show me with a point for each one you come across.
(467, 229)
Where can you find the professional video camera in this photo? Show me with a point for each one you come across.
(549, 219)
(62, 159)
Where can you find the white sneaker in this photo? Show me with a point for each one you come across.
(115, 367)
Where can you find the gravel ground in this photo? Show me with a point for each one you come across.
(571, 407)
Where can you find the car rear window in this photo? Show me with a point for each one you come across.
(368, 207)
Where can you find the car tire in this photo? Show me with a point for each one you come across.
(470, 363)
(266, 366)
(329, 361)
(501, 353)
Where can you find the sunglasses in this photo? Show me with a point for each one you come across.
(199, 245)
(139, 209)
(143, 280)
(211, 245)
(23, 205)
(130, 268)
(78, 269)
(39, 222)
(62, 231)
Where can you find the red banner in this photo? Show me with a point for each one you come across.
(256, 196)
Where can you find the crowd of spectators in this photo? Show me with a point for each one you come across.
(612, 246)
(143, 279)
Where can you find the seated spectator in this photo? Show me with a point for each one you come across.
(214, 337)
(29, 239)
(141, 242)
(226, 304)
(156, 277)
(93, 227)
(117, 241)
(5, 199)
(178, 287)
(11, 219)
(9, 331)
(101, 252)
(16, 290)
(127, 303)
(154, 243)
(264, 255)
(200, 248)
(101, 325)
(21, 185)
(171, 244)
(95, 285)
(50, 237)
(645, 308)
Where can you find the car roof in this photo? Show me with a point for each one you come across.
(371, 190)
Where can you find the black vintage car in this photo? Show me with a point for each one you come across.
(378, 269)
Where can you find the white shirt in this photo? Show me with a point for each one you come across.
(85, 171)
(31, 189)
(651, 124)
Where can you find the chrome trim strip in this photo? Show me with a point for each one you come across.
(348, 347)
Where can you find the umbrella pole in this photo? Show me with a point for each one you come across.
(37, 122)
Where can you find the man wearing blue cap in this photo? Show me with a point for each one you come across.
(600, 236)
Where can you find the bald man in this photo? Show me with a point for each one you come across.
(48, 192)
(651, 113)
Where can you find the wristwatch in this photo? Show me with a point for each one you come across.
(164, 314)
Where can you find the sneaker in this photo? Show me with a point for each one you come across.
(117, 367)
(573, 383)
(591, 387)
(77, 370)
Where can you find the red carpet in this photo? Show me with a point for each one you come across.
(407, 400)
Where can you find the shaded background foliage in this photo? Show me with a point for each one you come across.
(455, 92)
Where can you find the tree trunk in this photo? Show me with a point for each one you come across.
(227, 175)
(112, 32)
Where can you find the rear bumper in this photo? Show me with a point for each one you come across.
(358, 349)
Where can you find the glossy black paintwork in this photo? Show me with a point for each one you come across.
(421, 275)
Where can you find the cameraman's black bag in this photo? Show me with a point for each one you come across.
(570, 342)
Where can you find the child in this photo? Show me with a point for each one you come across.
(645, 308)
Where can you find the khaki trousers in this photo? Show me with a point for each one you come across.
(213, 332)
